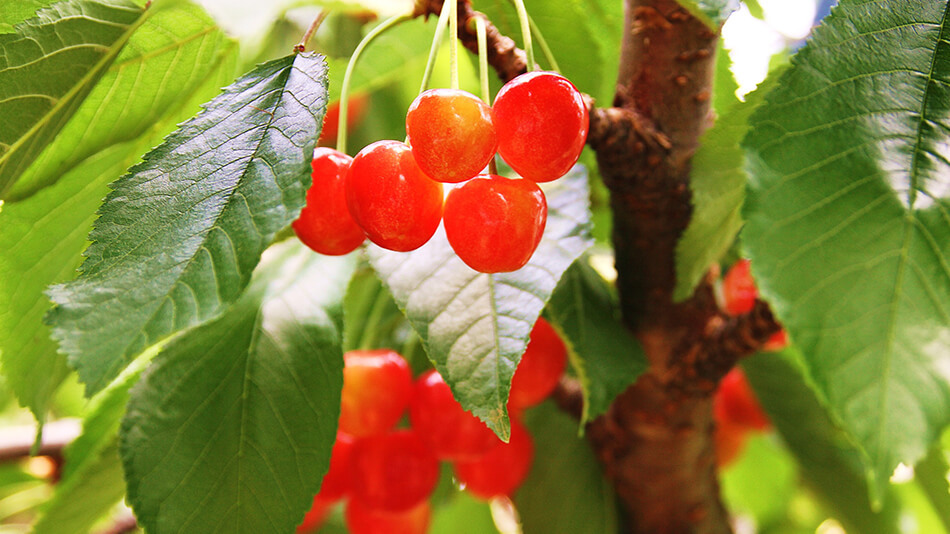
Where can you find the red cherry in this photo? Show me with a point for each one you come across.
(542, 123)
(440, 421)
(376, 389)
(494, 224)
(315, 516)
(729, 439)
(540, 369)
(735, 402)
(451, 134)
(336, 483)
(738, 289)
(394, 471)
(502, 469)
(391, 199)
(355, 109)
(361, 519)
(776, 342)
(325, 224)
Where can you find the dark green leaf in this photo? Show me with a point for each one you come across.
(849, 220)
(178, 237)
(712, 12)
(231, 428)
(605, 356)
(48, 66)
(475, 326)
(565, 492)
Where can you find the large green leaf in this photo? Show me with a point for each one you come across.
(48, 66)
(42, 236)
(168, 58)
(849, 220)
(566, 491)
(605, 356)
(475, 326)
(12, 13)
(231, 428)
(178, 237)
(712, 12)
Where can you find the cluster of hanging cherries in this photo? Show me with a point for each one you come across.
(392, 192)
(386, 471)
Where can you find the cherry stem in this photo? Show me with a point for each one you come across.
(314, 26)
(525, 34)
(482, 34)
(545, 49)
(454, 46)
(436, 44)
(350, 67)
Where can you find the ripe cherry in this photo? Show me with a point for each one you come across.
(540, 369)
(391, 199)
(736, 403)
(502, 469)
(776, 342)
(394, 471)
(440, 421)
(325, 224)
(451, 134)
(355, 110)
(314, 517)
(494, 224)
(361, 519)
(729, 439)
(336, 483)
(738, 289)
(542, 123)
(376, 389)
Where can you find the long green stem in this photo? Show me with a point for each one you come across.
(345, 90)
(545, 49)
(454, 46)
(482, 34)
(436, 44)
(525, 33)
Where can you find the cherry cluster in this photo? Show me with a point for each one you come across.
(387, 471)
(392, 192)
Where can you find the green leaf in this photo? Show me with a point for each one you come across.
(48, 67)
(849, 221)
(931, 474)
(168, 58)
(231, 428)
(762, 482)
(605, 356)
(178, 237)
(13, 13)
(724, 82)
(566, 491)
(475, 326)
(829, 463)
(755, 9)
(713, 13)
(462, 514)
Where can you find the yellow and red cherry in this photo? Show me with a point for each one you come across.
(377, 385)
(502, 469)
(494, 224)
(451, 134)
(450, 431)
(361, 519)
(540, 369)
(394, 471)
(391, 199)
(541, 121)
(325, 224)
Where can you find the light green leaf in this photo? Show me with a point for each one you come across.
(475, 326)
(713, 13)
(178, 237)
(755, 8)
(231, 428)
(762, 482)
(724, 82)
(566, 491)
(605, 356)
(48, 66)
(13, 13)
(462, 514)
(849, 221)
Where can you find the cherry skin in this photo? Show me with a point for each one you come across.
(325, 224)
(450, 431)
(540, 369)
(542, 122)
(377, 385)
(730, 439)
(361, 519)
(451, 134)
(738, 289)
(391, 199)
(314, 518)
(336, 483)
(502, 469)
(776, 341)
(394, 471)
(735, 402)
(494, 224)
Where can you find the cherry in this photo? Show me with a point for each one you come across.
(361, 519)
(331, 121)
(376, 389)
(325, 224)
(542, 123)
(729, 439)
(336, 483)
(738, 289)
(776, 342)
(440, 421)
(315, 516)
(451, 134)
(494, 224)
(735, 402)
(502, 469)
(540, 369)
(391, 199)
(394, 471)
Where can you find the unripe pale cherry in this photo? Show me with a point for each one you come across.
(325, 224)
(450, 431)
(494, 224)
(394, 471)
(502, 469)
(541, 121)
(376, 389)
(540, 369)
(391, 199)
(451, 134)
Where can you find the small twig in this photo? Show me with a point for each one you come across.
(302, 45)
(16, 442)
(569, 397)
